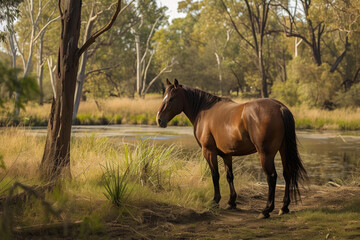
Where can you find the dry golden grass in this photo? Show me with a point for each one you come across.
(345, 114)
(185, 177)
(122, 106)
(21, 152)
(143, 111)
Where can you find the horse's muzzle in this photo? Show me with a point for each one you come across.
(162, 122)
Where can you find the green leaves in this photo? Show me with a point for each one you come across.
(10, 85)
(115, 183)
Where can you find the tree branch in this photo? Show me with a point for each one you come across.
(160, 73)
(93, 37)
(100, 70)
(60, 10)
(236, 28)
(149, 37)
(44, 27)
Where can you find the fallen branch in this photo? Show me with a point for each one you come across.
(39, 229)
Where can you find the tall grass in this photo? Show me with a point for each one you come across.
(338, 119)
(149, 164)
(152, 173)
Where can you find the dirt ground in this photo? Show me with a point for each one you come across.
(323, 213)
(174, 222)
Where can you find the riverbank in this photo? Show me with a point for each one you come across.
(143, 111)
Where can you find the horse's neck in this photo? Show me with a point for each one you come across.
(196, 101)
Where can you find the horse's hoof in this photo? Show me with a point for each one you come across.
(282, 212)
(214, 205)
(231, 207)
(263, 216)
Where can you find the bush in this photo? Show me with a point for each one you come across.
(286, 92)
(351, 98)
(307, 84)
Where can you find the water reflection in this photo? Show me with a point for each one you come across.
(327, 156)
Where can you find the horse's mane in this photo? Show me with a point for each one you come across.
(201, 100)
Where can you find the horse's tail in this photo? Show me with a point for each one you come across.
(293, 166)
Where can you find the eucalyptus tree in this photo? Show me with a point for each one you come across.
(8, 13)
(27, 31)
(95, 11)
(56, 159)
(150, 19)
(250, 22)
(302, 20)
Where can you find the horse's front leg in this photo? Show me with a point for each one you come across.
(211, 158)
(230, 179)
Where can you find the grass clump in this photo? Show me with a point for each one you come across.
(115, 183)
(149, 164)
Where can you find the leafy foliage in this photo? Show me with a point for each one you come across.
(206, 31)
(10, 84)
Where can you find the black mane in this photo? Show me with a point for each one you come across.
(201, 100)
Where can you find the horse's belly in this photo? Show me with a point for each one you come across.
(236, 147)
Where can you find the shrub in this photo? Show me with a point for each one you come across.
(307, 84)
(351, 98)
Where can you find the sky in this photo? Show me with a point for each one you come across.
(172, 11)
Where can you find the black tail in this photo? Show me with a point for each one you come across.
(293, 165)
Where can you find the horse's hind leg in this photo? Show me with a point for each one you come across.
(267, 163)
(287, 176)
(230, 179)
(211, 158)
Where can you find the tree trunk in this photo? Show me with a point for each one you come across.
(218, 60)
(138, 64)
(264, 91)
(81, 74)
(56, 158)
(297, 43)
(13, 64)
(41, 69)
(52, 70)
(316, 54)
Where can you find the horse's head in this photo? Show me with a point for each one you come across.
(172, 105)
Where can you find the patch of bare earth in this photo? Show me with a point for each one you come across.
(175, 222)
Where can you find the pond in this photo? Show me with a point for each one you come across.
(327, 155)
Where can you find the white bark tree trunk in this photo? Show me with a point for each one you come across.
(40, 68)
(138, 63)
(218, 60)
(52, 69)
(84, 58)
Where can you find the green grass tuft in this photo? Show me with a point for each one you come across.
(115, 183)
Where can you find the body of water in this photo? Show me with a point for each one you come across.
(327, 155)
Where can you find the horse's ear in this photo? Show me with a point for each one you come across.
(168, 82)
(176, 83)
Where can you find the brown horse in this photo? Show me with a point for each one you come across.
(225, 128)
